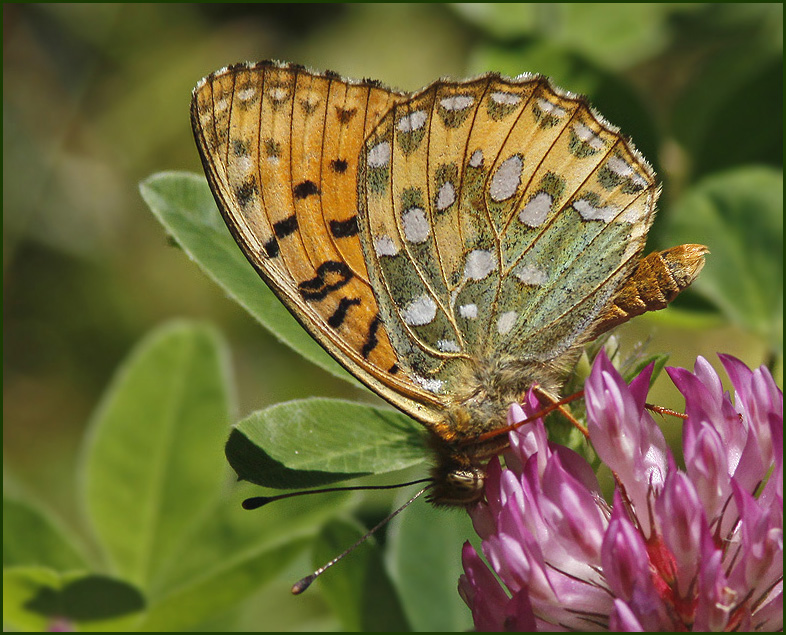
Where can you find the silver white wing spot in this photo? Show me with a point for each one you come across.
(379, 155)
(416, 225)
(480, 263)
(535, 212)
(506, 179)
(422, 310)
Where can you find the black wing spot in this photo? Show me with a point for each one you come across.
(271, 248)
(246, 191)
(344, 228)
(339, 165)
(371, 338)
(272, 149)
(285, 227)
(393, 369)
(308, 106)
(340, 314)
(240, 148)
(305, 189)
(331, 275)
(345, 114)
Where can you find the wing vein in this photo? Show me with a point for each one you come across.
(568, 200)
(525, 189)
(423, 278)
(497, 235)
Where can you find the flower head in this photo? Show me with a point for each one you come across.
(699, 548)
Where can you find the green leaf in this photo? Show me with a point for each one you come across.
(231, 534)
(184, 205)
(317, 441)
(357, 588)
(153, 462)
(203, 596)
(233, 554)
(36, 598)
(425, 562)
(738, 214)
(31, 537)
(634, 366)
(739, 89)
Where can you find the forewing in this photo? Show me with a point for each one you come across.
(280, 146)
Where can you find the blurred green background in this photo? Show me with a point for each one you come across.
(96, 98)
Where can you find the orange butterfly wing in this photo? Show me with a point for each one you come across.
(280, 147)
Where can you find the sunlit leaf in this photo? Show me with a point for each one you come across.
(40, 599)
(616, 39)
(154, 460)
(32, 537)
(317, 441)
(425, 562)
(739, 215)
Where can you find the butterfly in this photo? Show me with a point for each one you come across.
(451, 247)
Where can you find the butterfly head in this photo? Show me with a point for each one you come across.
(459, 477)
(456, 485)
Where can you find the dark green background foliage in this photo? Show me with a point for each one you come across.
(120, 509)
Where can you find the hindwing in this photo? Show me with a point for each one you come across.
(498, 218)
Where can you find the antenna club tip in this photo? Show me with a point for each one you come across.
(255, 502)
(303, 584)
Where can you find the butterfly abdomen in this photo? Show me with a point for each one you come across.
(653, 284)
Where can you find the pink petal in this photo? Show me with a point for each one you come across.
(573, 513)
(623, 620)
(520, 616)
(682, 526)
(481, 592)
(715, 599)
(624, 555)
(769, 616)
(623, 434)
(760, 562)
(706, 464)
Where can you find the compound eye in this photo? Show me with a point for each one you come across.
(462, 478)
(465, 484)
(460, 486)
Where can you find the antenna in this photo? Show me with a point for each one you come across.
(302, 584)
(255, 502)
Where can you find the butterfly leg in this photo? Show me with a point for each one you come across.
(556, 404)
(664, 411)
